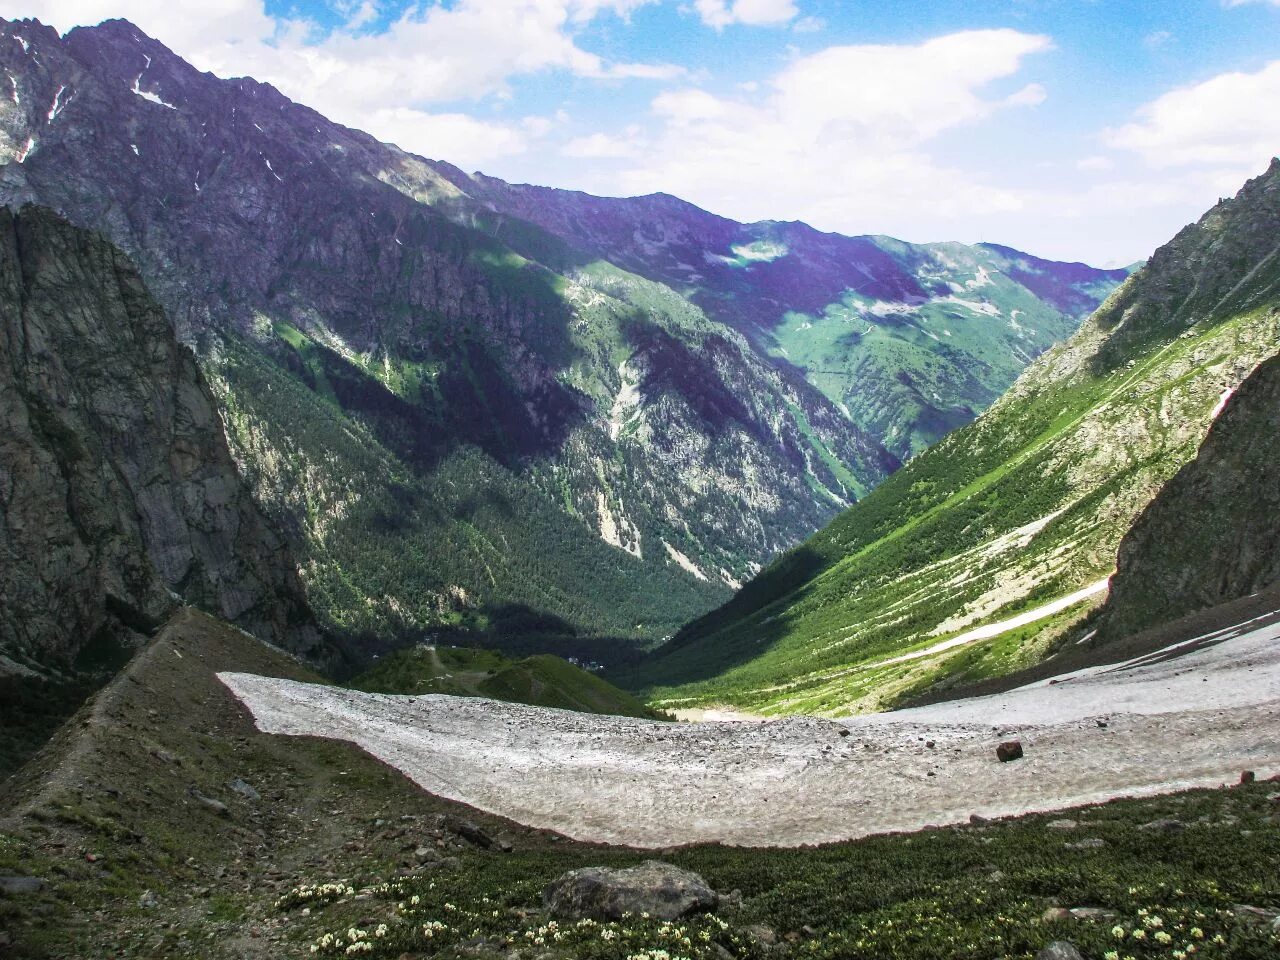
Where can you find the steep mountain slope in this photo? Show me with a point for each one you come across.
(1212, 534)
(911, 340)
(1014, 521)
(456, 429)
(540, 681)
(120, 498)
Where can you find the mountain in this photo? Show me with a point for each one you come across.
(1212, 534)
(909, 340)
(121, 498)
(982, 553)
(540, 681)
(461, 418)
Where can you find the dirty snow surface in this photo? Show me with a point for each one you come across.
(1161, 722)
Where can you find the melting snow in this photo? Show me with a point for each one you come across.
(58, 105)
(25, 46)
(1200, 718)
(26, 151)
(277, 176)
(1222, 402)
(14, 83)
(134, 148)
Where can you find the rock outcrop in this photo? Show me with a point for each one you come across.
(654, 888)
(118, 497)
(1212, 534)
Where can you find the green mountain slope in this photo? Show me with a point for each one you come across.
(1023, 508)
(1212, 535)
(541, 680)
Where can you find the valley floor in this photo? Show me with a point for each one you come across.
(1192, 714)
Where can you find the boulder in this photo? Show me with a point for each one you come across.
(1164, 826)
(21, 884)
(600, 893)
(1009, 750)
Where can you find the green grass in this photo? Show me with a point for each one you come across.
(945, 894)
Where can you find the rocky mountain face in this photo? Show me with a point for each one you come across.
(119, 499)
(464, 416)
(982, 553)
(1212, 534)
(910, 340)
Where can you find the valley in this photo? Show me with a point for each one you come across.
(406, 562)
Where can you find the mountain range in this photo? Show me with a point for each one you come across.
(534, 418)
(989, 551)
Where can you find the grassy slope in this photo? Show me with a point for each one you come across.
(1026, 505)
(541, 680)
(116, 783)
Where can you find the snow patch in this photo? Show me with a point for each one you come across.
(17, 101)
(58, 105)
(1222, 402)
(26, 150)
(25, 46)
(134, 148)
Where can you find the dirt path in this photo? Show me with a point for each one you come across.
(1151, 725)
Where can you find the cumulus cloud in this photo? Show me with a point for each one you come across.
(1214, 123)
(840, 137)
(723, 13)
(385, 81)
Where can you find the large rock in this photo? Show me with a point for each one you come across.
(655, 888)
(1059, 950)
(120, 497)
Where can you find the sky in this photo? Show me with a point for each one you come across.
(1084, 130)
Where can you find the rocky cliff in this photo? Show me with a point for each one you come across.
(1213, 533)
(118, 496)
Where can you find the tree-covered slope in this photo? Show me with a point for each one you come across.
(910, 340)
(1024, 507)
(541, 680)
(459, 420)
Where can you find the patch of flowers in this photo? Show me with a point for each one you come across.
(314, 895)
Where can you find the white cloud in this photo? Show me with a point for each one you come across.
(1218, 123)
(840, 137)
(602, 146)
(723, 13)
(382, 81)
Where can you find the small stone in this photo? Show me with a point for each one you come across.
(1059, 950)
(1166, 825)
(21, 884)
(1092, 913)
(762, 935)
(148, 900)
(1090, 843)
(1009, 750)
(977, 820)
(1056, 915)
(239, 786)
(1062, 824)
(1247, 776)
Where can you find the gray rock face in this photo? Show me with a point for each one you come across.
(118, 497)
(655, 888)
(1212, 534)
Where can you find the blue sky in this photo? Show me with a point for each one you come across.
(1077, 129)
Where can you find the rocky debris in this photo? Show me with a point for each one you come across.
(148, 900)
(1059, 950)
(209, 803)
(245, 790)
(1090, 843)
(1009, 750)
(1164, 825)
(465, 829)
(1054, 914)
(14, 885)
(656, 888)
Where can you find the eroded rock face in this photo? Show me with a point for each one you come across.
(1212, 535)
(118, 497)
(654, 888)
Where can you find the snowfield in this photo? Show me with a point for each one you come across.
(1192, 715)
